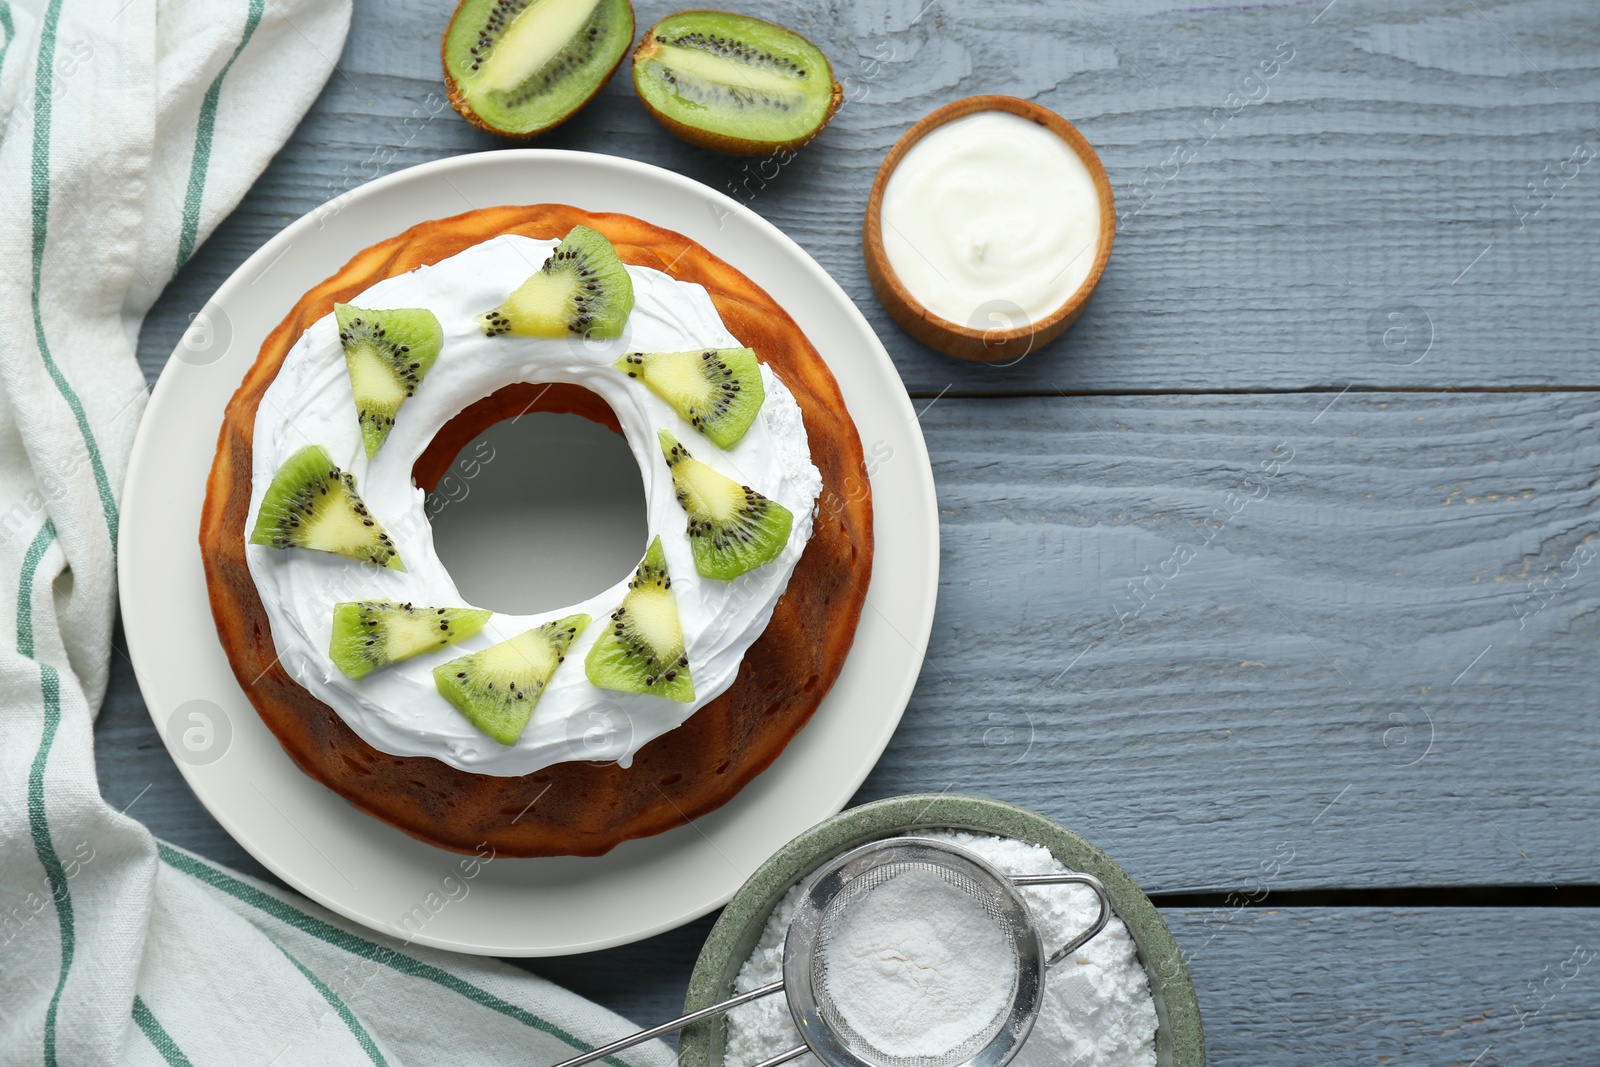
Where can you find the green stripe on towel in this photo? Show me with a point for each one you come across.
(38, 824)
(368, 1046)
(158, 1035)
(43, 94)
(204, 129)
(30, 566)
(338, 938)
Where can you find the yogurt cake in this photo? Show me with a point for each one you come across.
(569, 731)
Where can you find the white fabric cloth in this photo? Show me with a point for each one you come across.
(128, 128)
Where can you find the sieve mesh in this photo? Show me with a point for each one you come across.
(996, 900)
(840, 887)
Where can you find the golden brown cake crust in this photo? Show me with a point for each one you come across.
(574, 808)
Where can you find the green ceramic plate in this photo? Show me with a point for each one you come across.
(1179, 1040)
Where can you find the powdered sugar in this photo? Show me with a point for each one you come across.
(1097, 1009)
(917, 967)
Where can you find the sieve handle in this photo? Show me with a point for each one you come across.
(1080, 879)
(684, 1020)
(784, 1057)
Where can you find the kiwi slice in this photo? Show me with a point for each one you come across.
(642, 649)
(734, 83)
(732, 528)
(582, 289)
(520, 67)
(368, 634)
(717, 390)
(496, 689)
(313, 504)
(387, 354)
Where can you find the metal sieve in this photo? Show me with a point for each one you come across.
(833, 893)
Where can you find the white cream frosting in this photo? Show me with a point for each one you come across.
(990, 211)
(398, 710)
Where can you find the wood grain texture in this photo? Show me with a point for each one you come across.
(1467, 987)
(1316, 986)
(1144, 632)
(1264, 244)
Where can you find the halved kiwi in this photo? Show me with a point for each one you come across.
(520, 67)
(388, 353)
(642, 649)
(717, 390)
(369, 634)
(313, 504)
(497, 689)
(732, 528)
(734, 83)
(582, 289)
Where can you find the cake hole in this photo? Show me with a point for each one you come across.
(539, 512)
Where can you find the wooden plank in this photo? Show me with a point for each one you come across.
(1195, 628)
(1274, 226)
(1458, 986)
(1469, 987)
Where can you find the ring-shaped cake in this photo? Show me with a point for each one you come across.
(594, 766)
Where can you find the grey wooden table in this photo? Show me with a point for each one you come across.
(1355, 238)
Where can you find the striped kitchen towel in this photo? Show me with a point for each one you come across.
(128, 128)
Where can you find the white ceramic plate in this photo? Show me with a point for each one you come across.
(360, 867)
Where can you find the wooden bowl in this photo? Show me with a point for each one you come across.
(953, 338)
